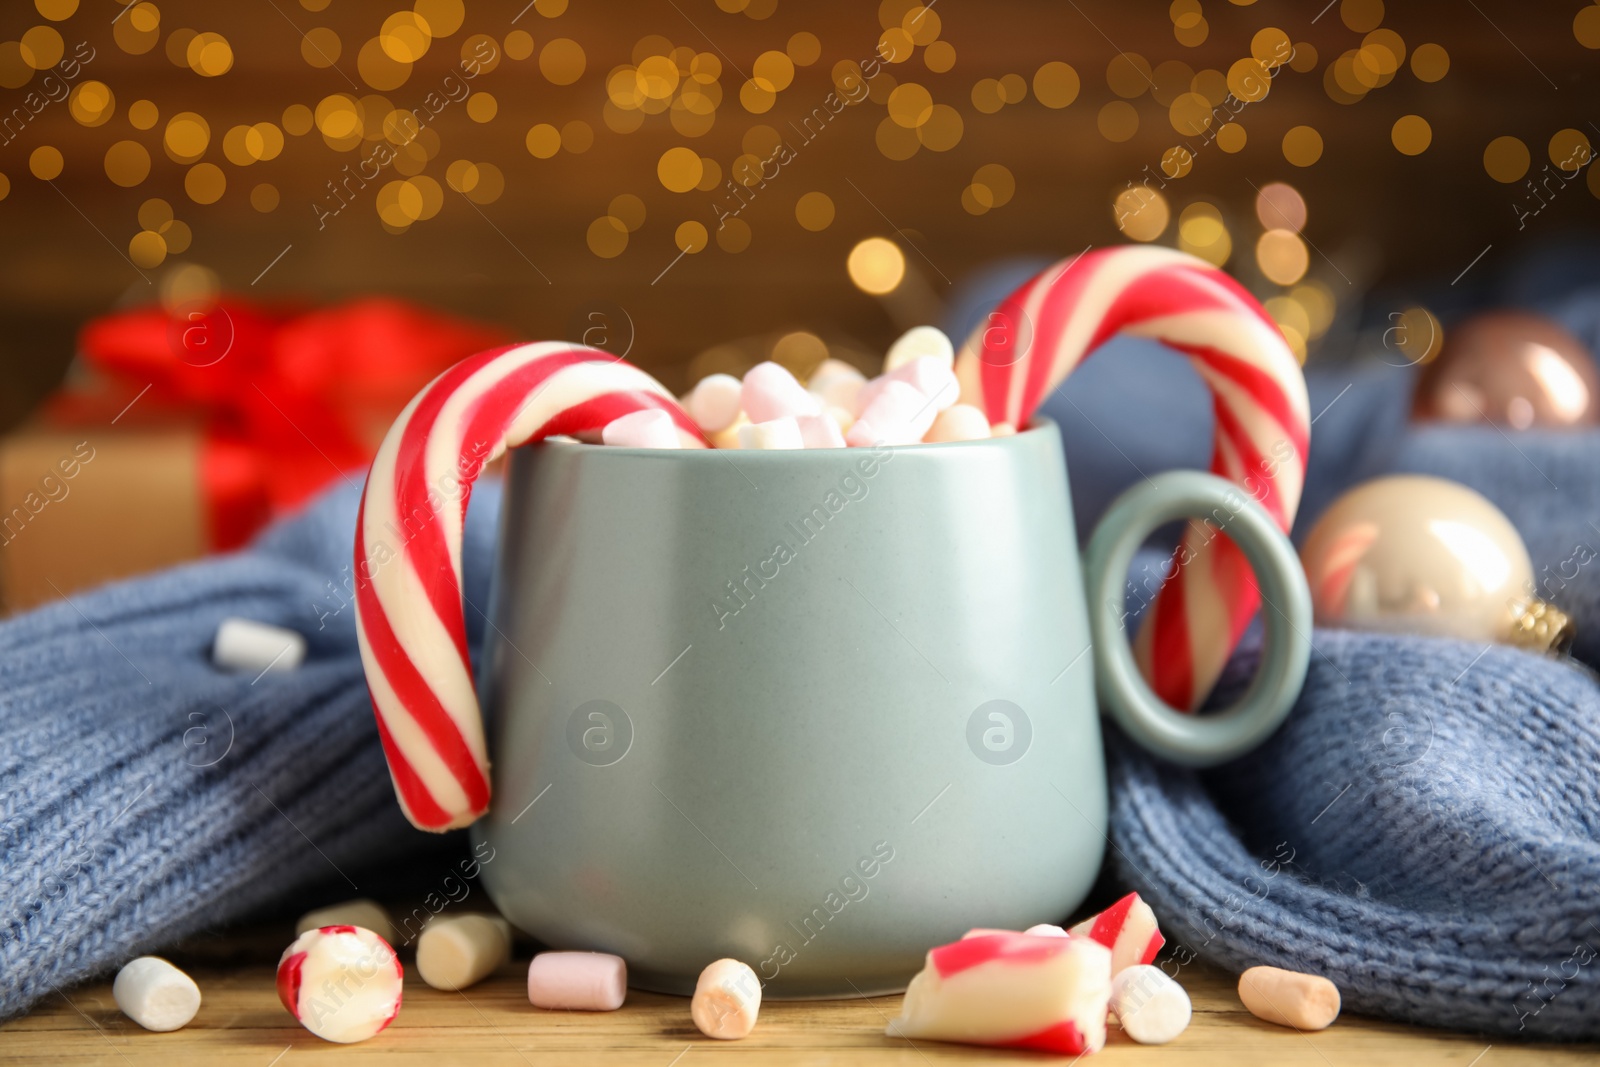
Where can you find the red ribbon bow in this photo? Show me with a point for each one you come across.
(288, 401)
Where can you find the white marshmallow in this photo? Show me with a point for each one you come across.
(917, 342)
(959, 422)
(1002, 429)
(771, 392)
(843, 416)
(1152, 1008)
(651, 428)
(342, 983)
(820, 431)
(368, 914)
(837, 384)
(456, 952)
(778, 433)
(155, 994)
(577, 981)
(247, 645)
(727, 999)
(713, 403)
(1046, 930)
(898, 415)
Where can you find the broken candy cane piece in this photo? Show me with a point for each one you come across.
(642, 429)
(342, 983)
(459, 951)
(1128, 928)
(727, 999)
(1289, 998)
(359, 912)
(577, 981)
(1152, 1008)
(1011, 990)
(155, 994)
(247, 645)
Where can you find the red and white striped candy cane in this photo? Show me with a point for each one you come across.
(1044, 329)
(409, 615)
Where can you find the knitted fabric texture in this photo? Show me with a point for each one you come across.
(146, 795)
(1422, 830)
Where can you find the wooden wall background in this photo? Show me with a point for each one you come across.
(1515, 69)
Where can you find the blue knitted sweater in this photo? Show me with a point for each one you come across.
(1424, 830)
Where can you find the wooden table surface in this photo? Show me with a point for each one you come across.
(241, 1022)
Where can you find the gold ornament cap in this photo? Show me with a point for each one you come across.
(1540, 626)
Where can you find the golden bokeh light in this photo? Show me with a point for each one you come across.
(1191, 33)
(5, 186)
(910, 105)
(1201, 232)
(1056, 84)
(1129, 75)
(679, 169)
(320, 47)
(1570, 150)
(544, 141)
(205, 183)
(895, 141)
(186, 137)
(923, 24)
(773, 71)
(1190, 114)
(939, 57)
(1279, 206)
(895, 45)
(405, 37)
(1362, 16)
(1411, 135)
(1319, 305)
(691, 237)
(1211, 84)
(1282, 256)
(1270, 46)
(1231, 137)
(1304, 60)
(91, 103)
(550, 8)
(378, 69)
(804, 49)
(519, 44)
(1506, 159)
(1013, 88)
(942, 130)
(1249, 80)
(876, 266)
(997, 182)
(56, 10)
(297, 119)
(127, 163)
(264, 197)
(177, 235)
(443, 17)
(1177, 162)
(143, 114)
(1302, 146)
(756, 98)
(1118, 121)
(628, 210)
(814, 211)
(209, 55)
(154, 214)
(1417, 334)
(42, 47)
(147, 249)
(481, 107)
(577, 136)
(986, 96)
(733, 236)
(561, 61)
(1172, 78)
(1586, 28)
(1141, 213)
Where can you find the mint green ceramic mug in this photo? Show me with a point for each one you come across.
(820, 710)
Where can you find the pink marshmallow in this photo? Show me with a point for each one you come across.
(714, 402)
(820, 431)
(578, 981)
(927, 374)
(898, 415)
(771, 392)
(652, 428)
(778, 433)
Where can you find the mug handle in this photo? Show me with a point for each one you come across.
(1193, 740)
